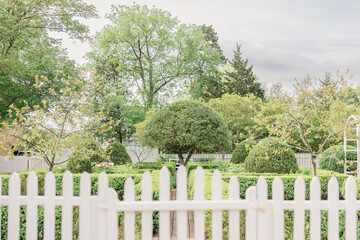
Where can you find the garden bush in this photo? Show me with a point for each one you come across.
(155, 166)
(118, 154)
(242, 151)
(80, 162)
(333, 159)
(270, 155)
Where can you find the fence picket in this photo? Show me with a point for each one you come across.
(216, 194)
(112, 217)
(67, 208)
(129, 216)
(100, 215)
(14, 207)
(315, 212)
(85, 195)
(32, 206)
(146, 217)
(199, 195)
(181, 195)
(264, 213)
(351, 213)
(49, 207)
(333, 212)
(251, 215)
(164, 195)
(278, 212)
(299, 212)
(234, 215)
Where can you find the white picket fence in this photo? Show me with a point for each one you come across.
(99, 214)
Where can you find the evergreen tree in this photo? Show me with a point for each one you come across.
(241, 80)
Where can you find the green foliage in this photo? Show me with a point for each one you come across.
(117, 153)
(271, 156)
(151, 48)
(27, 50)
(238, 113)
(222, 166)
(240, 79)
(185, 127)
(333, 159)
(242, 151)
(156, 166)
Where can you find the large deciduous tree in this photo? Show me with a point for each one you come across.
(26, 49)
(150, 49)
(186, 127)
(312, 118)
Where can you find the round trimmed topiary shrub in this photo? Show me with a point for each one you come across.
(272, 156)
(333, 159)
(242, 151)
(118, 154)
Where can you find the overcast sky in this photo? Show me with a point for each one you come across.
(283, 39)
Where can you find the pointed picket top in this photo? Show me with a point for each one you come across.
(262, 188)
(50, 184)
(164, 178)
(32, 185)
(181, 183)
(333, 189)
(299, 212)
(315, 188)
(234, 188)
(278, 189)
(146, 187)
(67, 184)
(350, 189)
(14, 183)
(129, 190)
(199, 184)
(299, 187)
(85, 184)
(251, 215)
(216, 185)
(103, 183)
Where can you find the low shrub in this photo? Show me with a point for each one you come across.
(155, 166)
(333, 159)
(117, 154)
(270, 155)
(222, 166)
(242, 151)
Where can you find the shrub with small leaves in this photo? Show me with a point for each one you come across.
(242, 151)
(117, 153)
(272, 156)
(333, 159)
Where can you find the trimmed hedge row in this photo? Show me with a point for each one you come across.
(155, 166)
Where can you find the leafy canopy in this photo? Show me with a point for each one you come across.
(185, 127)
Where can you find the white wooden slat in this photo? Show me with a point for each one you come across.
(181, 195)
(199, 195)
(234, 216)
(112, 218)
(264, 213)
(333, 212)
(84, 209)
(129, 217)
(251, 215)
(315, 212)
(14, 207)
(278, 211)
(146, 216)
(216, 194)
(350, 210)
(32, 207)
(67, 207)
(99, 216)
(299, 212)
(164, 195)
(0, 197)
(49, 207)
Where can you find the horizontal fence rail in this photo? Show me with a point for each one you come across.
(99, 219)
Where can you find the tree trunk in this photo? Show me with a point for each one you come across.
(181, 159)
(190, 154)
(313, 161)
(51, 167)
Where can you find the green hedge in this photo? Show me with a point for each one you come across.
(156, 166)
(222, 166)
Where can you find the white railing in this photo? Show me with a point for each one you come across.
(99, 214)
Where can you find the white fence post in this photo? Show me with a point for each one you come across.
(164, 195)
(264, 212)
(99, 224)
(299, 212)
(129, 216)
(315, 218)
(31, 207)
(251, 215)
(14, 207)
(146, 217)
(351, 213)
(181, 195)
(234, 215)
(49, 207)
(199, 195)
(216, 194)
(278, 210)
(85, 207)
